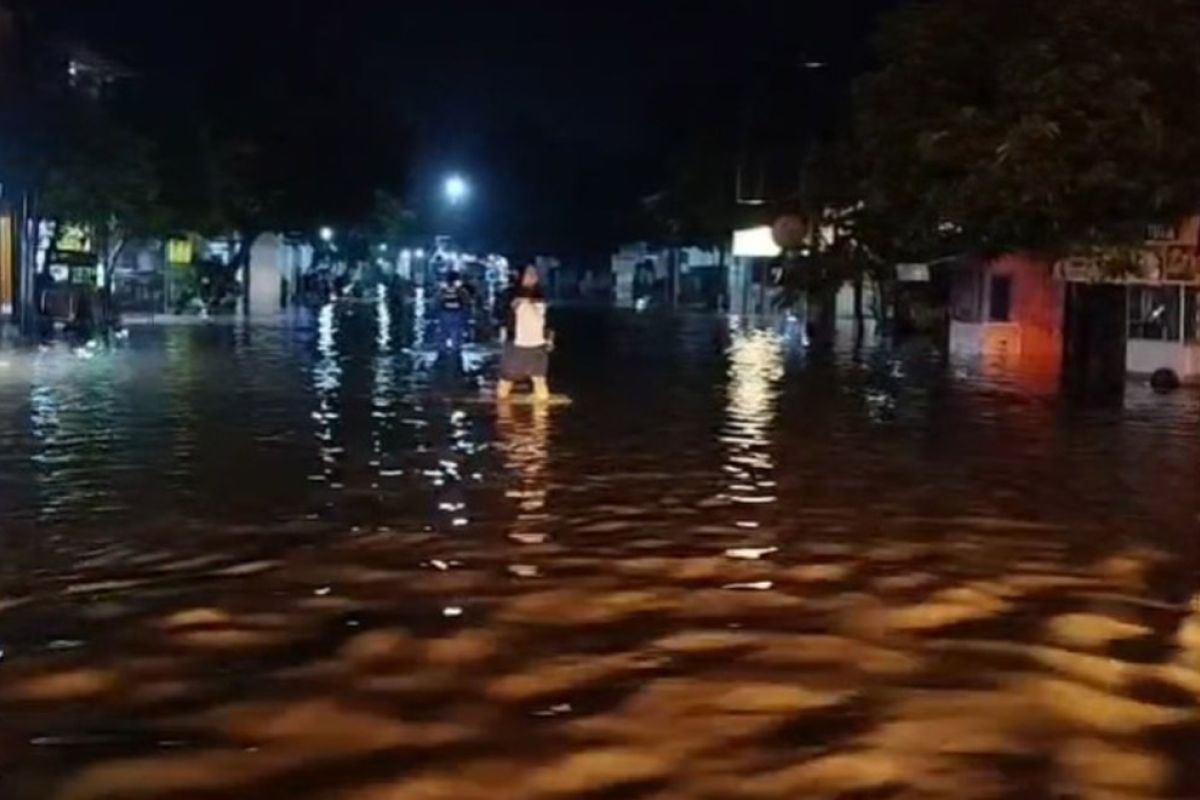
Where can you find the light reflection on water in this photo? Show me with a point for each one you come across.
(304, 560)
(755, 368)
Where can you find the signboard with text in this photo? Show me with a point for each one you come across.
(1155, 263)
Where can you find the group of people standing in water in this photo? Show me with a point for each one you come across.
(520, 316)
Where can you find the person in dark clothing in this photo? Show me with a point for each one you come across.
(502, 311)
(454, 304)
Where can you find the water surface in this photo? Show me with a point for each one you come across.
(304, 560)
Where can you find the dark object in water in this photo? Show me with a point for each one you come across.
(1164, 381)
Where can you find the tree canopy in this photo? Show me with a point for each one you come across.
(1055, 125)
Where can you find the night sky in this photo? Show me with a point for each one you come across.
(562, 114)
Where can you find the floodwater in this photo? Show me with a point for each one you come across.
(298, 561)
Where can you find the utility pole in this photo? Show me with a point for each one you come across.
(27, 244)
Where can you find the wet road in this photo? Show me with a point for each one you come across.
(298, 561)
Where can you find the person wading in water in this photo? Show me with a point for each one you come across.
(527, 339)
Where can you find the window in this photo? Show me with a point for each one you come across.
(966, 295)
(1154, 313)
(1191, 314)
(1000, 299)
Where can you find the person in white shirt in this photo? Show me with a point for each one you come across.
(527, 339)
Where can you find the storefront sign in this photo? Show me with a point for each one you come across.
(1152, 264)
(912, 273)
(179, 251)
(74, 239)
(755, 243)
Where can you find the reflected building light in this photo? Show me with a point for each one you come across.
(327, 380)
(755, 369)
(325, 330)
(525, 447)
(383, 316)
(419, 307)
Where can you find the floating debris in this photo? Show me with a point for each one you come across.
(750, 553)
(553, 711)
(529, 538)
(753, 586)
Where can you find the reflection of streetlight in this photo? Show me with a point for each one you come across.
(326, 233)
(456, 189)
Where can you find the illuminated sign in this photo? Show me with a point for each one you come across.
(755, 243)
(1151, 264)
(912, 273)
(179, 251)
(74, 239)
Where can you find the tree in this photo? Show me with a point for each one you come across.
(390, 219)
(697, 204)
(843, 240)
(1064, 125)
(101, 174)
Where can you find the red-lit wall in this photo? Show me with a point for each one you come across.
(1037, 305)
(1031, 341)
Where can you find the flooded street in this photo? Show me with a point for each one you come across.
(302, 560)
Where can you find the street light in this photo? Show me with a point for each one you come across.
(456, 189)
(326, 233)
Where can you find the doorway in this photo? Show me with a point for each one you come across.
(1094, 358)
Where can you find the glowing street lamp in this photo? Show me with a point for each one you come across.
(456, 189)
(326, 234)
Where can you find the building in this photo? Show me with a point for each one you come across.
(277, 268)
(34, 67)
(1099, 318)
(671, 276)
(8, 257)
(751, 282)
(1152, 304)
(1008, 307)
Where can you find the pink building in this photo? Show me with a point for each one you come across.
(1009, 307)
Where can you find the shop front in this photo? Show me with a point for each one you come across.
(1152, 299)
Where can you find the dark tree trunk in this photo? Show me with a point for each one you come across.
(241, 261)
(822, 313)
(27, 244)
(859, 319)
(723, 280)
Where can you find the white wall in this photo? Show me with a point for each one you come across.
(624, 268)
(845, 300)
(1144, 357)
(267, 264)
